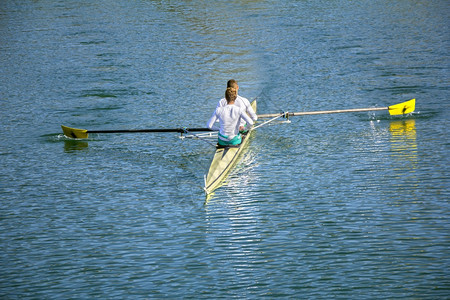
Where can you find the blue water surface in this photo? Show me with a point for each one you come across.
(346, 206)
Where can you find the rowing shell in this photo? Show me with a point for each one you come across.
(224, 160)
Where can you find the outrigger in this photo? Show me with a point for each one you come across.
(225, 158)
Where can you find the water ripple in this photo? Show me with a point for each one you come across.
(351, 206)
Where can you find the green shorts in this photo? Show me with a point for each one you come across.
(234, 141)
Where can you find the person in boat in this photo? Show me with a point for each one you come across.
(230, 117)
(241, 102)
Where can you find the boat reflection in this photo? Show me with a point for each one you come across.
(239, 178)
(232, 219)
(75, 145)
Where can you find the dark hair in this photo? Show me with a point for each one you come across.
(232, 83)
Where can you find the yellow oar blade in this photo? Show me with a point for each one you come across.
(403, 108)
(74, 132)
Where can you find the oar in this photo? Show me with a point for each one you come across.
(84, 133)
(397, 109)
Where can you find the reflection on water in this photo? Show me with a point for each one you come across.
(240, 177)
(401, 127)
(403, 139)
(404, 149)
(74, 145)
(235, 220)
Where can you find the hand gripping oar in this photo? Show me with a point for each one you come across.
(84, 133)
(397, 109)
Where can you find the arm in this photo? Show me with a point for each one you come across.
(249, 108)
(222, 102)
(211, 122)
(252, 113)
(246, 117)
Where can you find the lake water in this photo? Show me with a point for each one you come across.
(349, 206)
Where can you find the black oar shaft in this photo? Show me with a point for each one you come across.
(180, 130)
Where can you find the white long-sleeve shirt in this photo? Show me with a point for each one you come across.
(243, 103)
(229, 117)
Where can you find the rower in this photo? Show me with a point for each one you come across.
(230, 117)
(241, 102)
